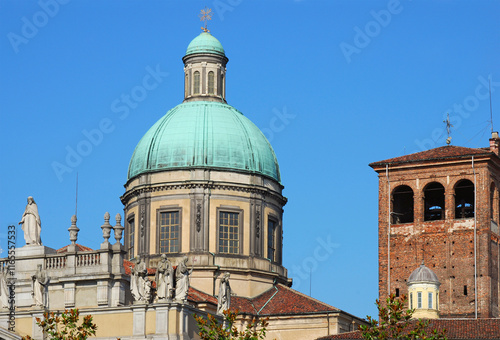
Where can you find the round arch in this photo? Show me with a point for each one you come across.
(434, 207)
(402, 205)
(464, 199)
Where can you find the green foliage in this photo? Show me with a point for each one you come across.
(211, 329)
(65, 326)
(394, 323)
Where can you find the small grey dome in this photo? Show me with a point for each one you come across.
(423, 274)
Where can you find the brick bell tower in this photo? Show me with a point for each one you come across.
(442, 206)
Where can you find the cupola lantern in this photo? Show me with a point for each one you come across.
(423, 293)
(205, 70)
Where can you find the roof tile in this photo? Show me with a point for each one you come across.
(197, 296)
(455, 329)
(280, 300)
(443, 152)
(79, 247)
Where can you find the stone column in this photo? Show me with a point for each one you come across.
(161, 322)
(183, 323)
(102, 293)
(173, 316)
(118, 293)
(69, 294)
(449, 204)
(257, 225)
(143, 227)
(36, 330)
(418, 207)
(139, 317)
(197, 217)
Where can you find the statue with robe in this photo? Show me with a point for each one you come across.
(224, 298)
(4, 288)
(182, 280)
(164, 279)
(139, 281)
(38, 287)
(31, 224)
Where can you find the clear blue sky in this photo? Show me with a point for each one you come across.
(353, 82)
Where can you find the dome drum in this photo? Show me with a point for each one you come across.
(201, 199)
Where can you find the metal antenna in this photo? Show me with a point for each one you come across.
(76, 195)
(310, 281)
(491, 110)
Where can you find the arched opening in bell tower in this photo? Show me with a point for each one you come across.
(402, 205)
(464, 199)
(433, 202)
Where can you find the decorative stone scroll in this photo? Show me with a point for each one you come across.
(198, 217)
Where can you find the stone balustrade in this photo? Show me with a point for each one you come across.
(88, 259)
(55, 262)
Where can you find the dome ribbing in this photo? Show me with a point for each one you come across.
(423, 274)
(205, 43)
(204, 134)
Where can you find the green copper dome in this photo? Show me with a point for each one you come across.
(203, 134)
(205, 43)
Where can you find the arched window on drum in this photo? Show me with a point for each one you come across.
(211, 83)
(196, 87)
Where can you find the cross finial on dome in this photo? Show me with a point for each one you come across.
(205, 15)
(448, 128)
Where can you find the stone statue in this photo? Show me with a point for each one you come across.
(4, 288)
(147, 290)
(164, 279)
(38, 287)
(139, 281)
(31, 224)
(224, 298)
(182, 280)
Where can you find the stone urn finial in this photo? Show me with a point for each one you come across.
(118, 228)
(106, 228)
(73, 230)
